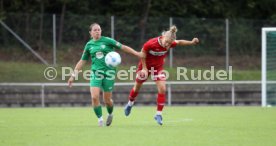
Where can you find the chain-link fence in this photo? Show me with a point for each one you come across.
(223, 42)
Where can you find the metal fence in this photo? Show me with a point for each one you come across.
(231, 88)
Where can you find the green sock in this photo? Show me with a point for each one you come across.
(98, 111)
(109, 109)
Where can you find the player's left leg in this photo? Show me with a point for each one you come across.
(108, 85)
(109, 106)
(161, 99)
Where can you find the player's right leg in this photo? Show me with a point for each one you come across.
(95, 95)
(141, 77)
(95, 88)
(132, 95)
(108, 86)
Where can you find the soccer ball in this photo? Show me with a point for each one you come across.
(112, 59)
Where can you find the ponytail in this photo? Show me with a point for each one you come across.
(171, 33)
(173, 29)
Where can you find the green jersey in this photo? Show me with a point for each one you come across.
(97, 50)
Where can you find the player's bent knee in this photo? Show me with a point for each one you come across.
(108, 102)
(162, 90)
(95, 101)
(95, 97)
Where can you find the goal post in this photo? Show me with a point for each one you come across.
(268, 66)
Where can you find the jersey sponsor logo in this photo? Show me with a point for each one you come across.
(157, 53)
(99, 55)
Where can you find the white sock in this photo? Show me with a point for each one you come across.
(130, 103)
(100, 119)
(159, 113)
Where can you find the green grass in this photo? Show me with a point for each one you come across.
(34, 72)
(28, 72)
(183, 126)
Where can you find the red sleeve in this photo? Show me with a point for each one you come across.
(173, 44)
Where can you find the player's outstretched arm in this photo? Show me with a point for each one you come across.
(78, 67)
(195, 41)
(132, 51)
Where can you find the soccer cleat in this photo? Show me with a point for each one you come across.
(158, 119)
(100, 123)
(109, 120)
(127, 109)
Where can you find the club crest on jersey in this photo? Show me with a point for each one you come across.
(102, 46)
(118, 44)
(157, 53)
(99, 55)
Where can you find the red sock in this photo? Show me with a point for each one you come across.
(161, 99)
(132, 95)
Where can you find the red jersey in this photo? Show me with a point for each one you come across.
(155, 53)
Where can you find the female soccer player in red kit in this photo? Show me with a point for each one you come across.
(154, 51)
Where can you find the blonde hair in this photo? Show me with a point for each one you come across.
(171, 33)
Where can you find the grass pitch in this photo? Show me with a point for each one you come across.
(189, 126)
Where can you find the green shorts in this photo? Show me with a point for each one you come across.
(103, 79)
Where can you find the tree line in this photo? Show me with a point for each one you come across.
(141, 9)
(249, 9)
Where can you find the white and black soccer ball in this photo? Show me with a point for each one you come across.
(112, 59)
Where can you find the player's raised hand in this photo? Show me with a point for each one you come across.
(195, 41)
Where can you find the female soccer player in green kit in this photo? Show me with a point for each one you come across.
(102, 76)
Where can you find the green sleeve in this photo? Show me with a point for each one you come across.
(114, 43)
(86, 53)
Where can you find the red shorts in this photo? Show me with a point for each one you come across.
(156, 74)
